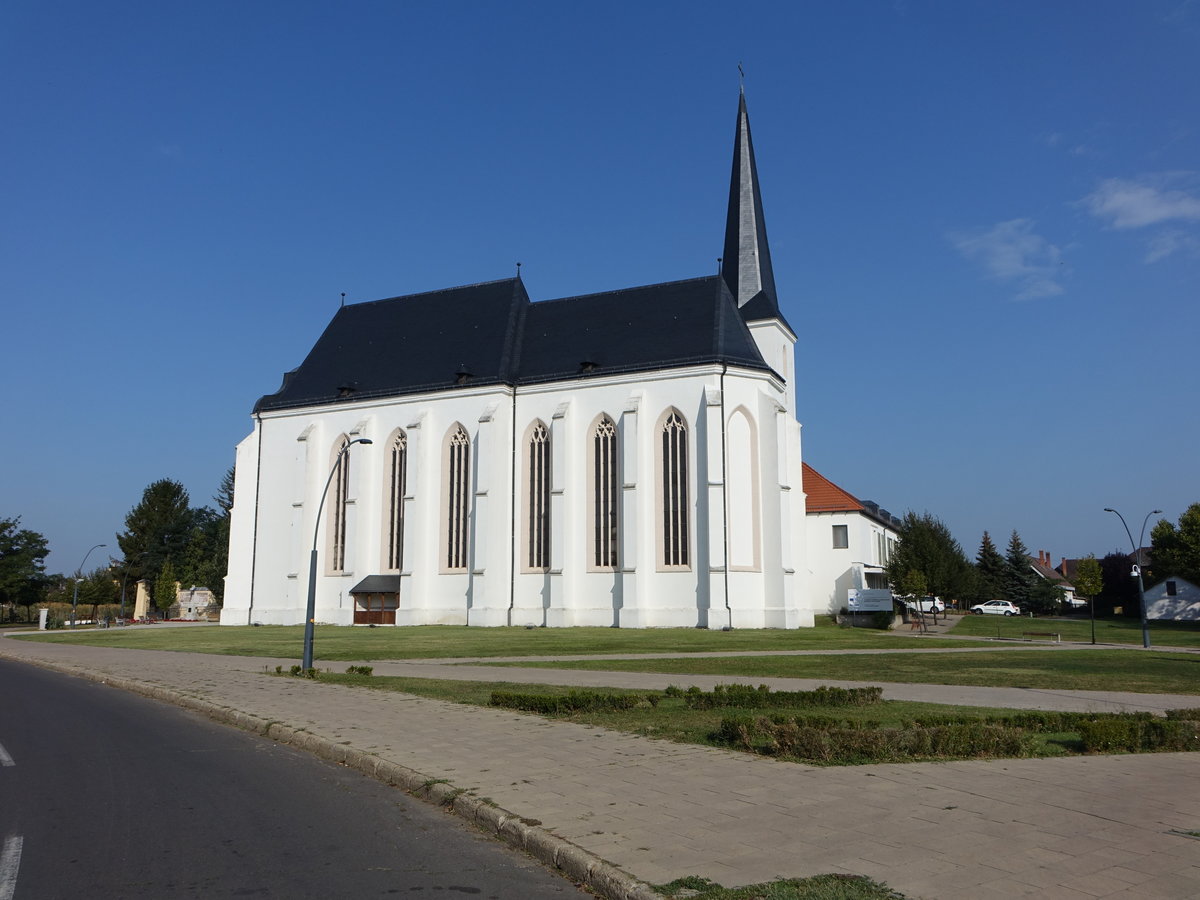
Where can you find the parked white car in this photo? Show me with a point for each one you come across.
(927, 605)
(996, 608)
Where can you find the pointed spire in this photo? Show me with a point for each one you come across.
(746, 265)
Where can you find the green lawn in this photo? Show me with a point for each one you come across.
(1077, 669)
(1108, 631)
(671, 719)
(439, 642)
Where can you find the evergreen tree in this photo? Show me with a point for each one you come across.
(927, 547)
(1018, 576)
(991, 568)
(156, 530)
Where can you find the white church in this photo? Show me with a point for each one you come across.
(627, 459)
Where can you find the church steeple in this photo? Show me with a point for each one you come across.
(746, 265)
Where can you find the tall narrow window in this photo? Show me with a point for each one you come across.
(397, 487)
(841, 537)
(675, 490)
(539, 497)
(338, 510)
(605, 493)
(458, 459)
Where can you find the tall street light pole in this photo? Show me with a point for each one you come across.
(310, 614)
(78, 573)
(1137, 568)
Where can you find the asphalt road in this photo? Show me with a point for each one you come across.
(109, 795)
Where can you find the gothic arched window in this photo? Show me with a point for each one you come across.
(457, 480)
(338, 507)
(538, 505)
(396, 479)
(605, 494)
(674, 474)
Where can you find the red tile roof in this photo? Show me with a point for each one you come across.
(825, 496)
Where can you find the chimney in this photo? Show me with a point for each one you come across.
(1063, 569)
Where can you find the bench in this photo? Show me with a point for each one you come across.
(1030, 635)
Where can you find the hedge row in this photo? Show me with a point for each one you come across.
(743, 696)
(1183, 713)
(1131, 735)
(573, 701)
(792, 740)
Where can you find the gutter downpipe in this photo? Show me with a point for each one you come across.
(725, 499)
(258, 422)
(512, 511)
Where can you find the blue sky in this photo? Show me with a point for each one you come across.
(984, 220)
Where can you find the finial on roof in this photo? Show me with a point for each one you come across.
(741, 78)
(343, 298)
(518, 270)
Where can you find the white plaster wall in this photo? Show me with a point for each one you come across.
(831, 572)
(291, 453)
(1183, 607)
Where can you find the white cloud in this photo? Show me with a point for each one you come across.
(1012, 252)
(1147, 200)
(1167, 242)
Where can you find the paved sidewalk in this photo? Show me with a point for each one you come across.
(1104, 826)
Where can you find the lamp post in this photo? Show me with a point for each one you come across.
(78, 573)
(1137, 568)
(310, 614)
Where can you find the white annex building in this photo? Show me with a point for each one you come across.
(626, 459)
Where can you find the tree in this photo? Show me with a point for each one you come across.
(22, 564)
(1120, 587)
(156, 530)
(927, 548)
(1089, 582)
(165, 587)
(1176, 551)
(991, 568)
(1018, 575)
(1088, 579)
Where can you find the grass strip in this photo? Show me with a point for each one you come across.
(818, 887)
(1150, 672)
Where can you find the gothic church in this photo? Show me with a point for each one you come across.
(467, 456)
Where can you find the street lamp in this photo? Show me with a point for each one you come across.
(78, 572)
(1137, 568)
(311, 612)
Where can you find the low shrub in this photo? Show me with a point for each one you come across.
(1191, 714)
(1135, 735)
(795, 739)
(572, 701)
(360, 670)
(743, 696)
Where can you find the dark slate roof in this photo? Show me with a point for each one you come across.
(378, 584)
(422, 342)
(491, 334)
(659, 326)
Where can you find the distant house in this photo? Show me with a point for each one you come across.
(849, 541)
(1174, 599)
(1044, 569)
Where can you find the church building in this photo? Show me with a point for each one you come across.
(469, 456)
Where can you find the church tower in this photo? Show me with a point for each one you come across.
(746, 264)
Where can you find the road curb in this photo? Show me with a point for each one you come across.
(521, 833)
